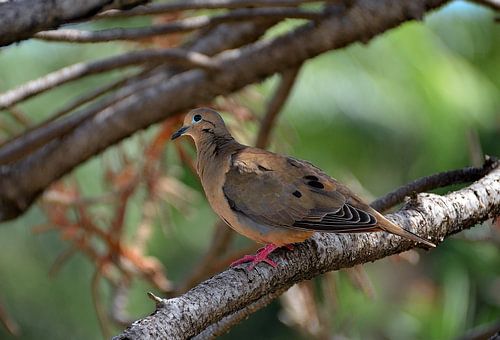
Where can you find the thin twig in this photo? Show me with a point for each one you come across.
(80, 70)
(439, 180)
(223, 326)
(161, 8)
(275, 105)
(184, 25)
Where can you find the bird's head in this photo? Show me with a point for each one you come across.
(202, 122)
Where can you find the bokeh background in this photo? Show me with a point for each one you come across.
(412, 102)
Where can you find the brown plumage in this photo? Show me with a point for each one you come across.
(271, 198)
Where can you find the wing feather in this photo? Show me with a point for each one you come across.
(274, 190)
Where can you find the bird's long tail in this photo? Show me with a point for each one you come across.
(392, 228)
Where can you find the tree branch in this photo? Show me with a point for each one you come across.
(162, 8)
(80, 70)
(275, 105)
(22, 182)
(435, 217)
(225, 324)
(440, 180)
(22, 18)
(184, 25)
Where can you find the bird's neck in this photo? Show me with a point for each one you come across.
(214, 149)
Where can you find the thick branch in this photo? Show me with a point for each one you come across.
(435, 217)
(22, 182)
(20, 19)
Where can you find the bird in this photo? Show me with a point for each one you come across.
(273, 199)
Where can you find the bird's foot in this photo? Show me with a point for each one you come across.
(261, 256)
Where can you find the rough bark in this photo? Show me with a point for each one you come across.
(435, 217)
(22, 182)
(20, 19)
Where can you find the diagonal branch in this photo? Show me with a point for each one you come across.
(80, 70)
(433, 216)
(275, 105)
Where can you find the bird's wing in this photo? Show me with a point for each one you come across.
(275, 190)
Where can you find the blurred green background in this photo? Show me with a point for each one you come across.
(375, 116)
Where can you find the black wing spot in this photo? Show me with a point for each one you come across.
(311, 178)
(263, 168)
(316, 184)
(297, 194)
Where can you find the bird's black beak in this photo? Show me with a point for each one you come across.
(179, 132)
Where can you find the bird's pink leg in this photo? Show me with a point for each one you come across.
(261, 256)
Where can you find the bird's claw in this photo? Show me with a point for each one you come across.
(261, 256)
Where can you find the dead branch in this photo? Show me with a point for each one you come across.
(436, 217)
(80, 70)
(184, 25)
(162, 8)
(440, 180)
(275, 105)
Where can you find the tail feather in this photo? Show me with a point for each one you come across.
(392, 228)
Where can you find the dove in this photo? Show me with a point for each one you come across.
(274, 199)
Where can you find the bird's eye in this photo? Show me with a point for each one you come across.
(196, 118)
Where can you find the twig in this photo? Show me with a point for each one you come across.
(184, 25)
(224, 325)
(19, 116)
(160, 8)
(442, 179)
(275, 105)
(80, 70)
(481, 332)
